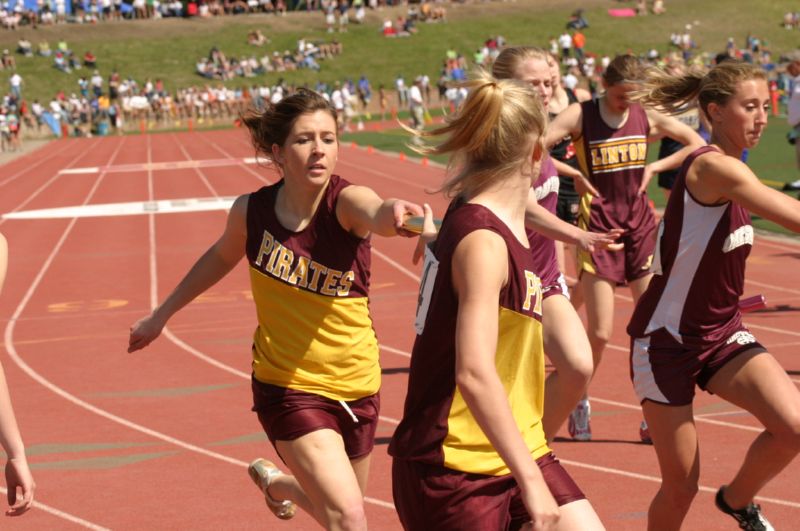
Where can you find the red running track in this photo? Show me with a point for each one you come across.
(161, 439)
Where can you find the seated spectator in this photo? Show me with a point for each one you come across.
(175, 8)
(577, 20)
(24, 47)
(62, 46)
(43, 49)
(30, 18)
(8, 60)
(388, 29)
(790, 20)
(256, 38)
(60, 62)
(46, 16)
(9, 19)
(658, 7)
(89, 60)
(73, 61)
(407, 24)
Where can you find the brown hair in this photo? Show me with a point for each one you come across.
(507, 63)
(670, 93)
(490, 136)
(623, 69)
(275, 122)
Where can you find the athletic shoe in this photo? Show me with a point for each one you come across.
(794, 185)
(644, 433)
(579, 426)
(263, 472)
(749, 518)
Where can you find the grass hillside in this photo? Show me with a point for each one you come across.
(168, 48)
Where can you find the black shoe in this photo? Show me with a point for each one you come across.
(794, 185)
(749, 518)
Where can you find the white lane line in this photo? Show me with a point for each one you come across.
(39, 162)
(197, 169)
(37, 505)
(188, 163)
(245, 166)
(43, 187)
(132, 208)
(782, 289)
(656, 479)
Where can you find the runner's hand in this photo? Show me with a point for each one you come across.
(402, 210)
(584, 186)
(18, 475)
(592, 241)
(542, 508)
(646, 178)
(143, 332)
(428, 234)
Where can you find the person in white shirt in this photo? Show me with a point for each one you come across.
(416, 104)
(16, 85)
(565, 42)
(793, 68)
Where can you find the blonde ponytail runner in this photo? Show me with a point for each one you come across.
(489, 136)
(666, 92)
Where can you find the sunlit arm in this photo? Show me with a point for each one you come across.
(479, 271)
(212, 266)
(361, 211)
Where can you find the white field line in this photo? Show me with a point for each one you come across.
(43, 187)
(61, 514)
(39, 162)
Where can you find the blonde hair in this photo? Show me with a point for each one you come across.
(718, 85)
(507, 63)
(490, 136)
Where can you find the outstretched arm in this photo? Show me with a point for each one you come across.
(215, 263)
(730, 179)
(479, 270)
(541, 220)
(569, 122)
(18, 473)
(361, 211)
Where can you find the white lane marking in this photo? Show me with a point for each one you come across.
(133, 208)
(44, 186)
(782, 289)
(39, 162)
(165, 166)
(197, 169)
(656, 479)
(37, 505)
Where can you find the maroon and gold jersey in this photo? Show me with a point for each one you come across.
(310, 287)
(437, 426)
(614, 161)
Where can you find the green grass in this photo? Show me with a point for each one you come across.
(168, 49)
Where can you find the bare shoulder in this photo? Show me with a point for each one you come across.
(240, 204)
(481, 256)
(716, 163)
